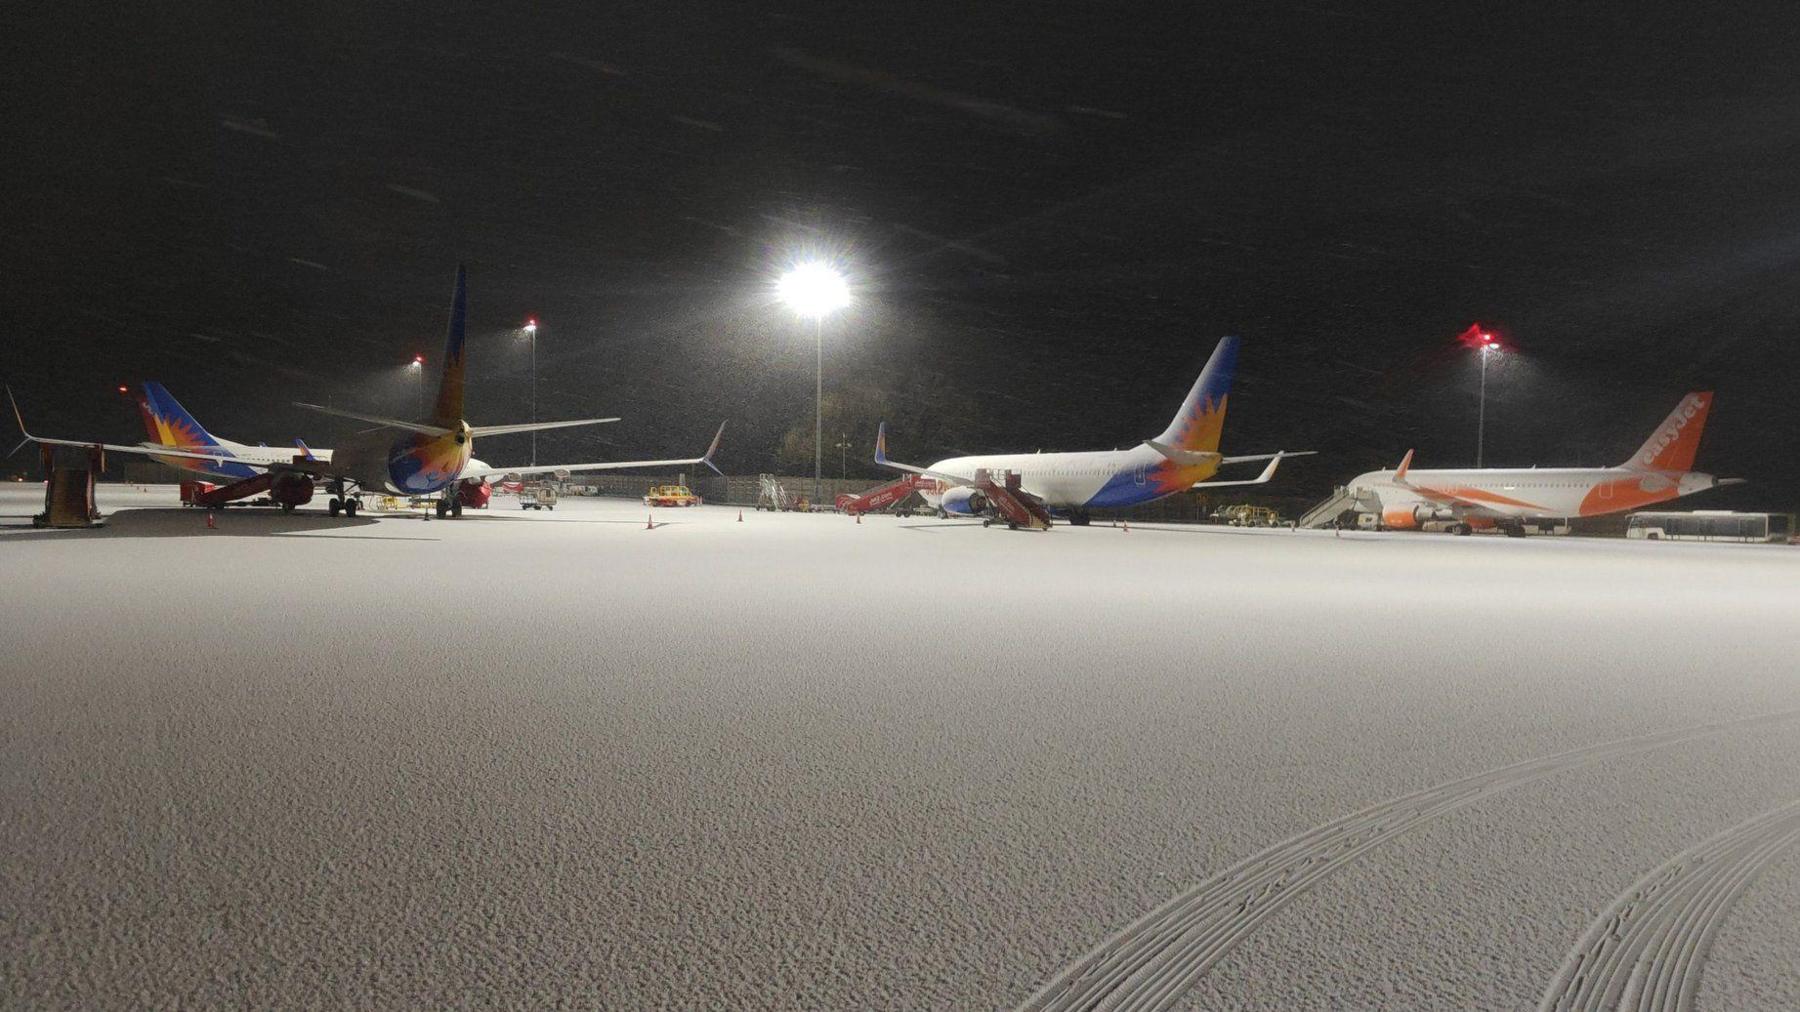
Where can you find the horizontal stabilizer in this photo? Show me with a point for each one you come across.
(1185, 458)
(502, 430)
(392, 423)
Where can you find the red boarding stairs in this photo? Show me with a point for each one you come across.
(1014, 507)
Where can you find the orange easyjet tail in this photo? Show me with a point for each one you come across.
(1675, 442)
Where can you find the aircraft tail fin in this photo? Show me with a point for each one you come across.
(448, 411)
(1200, 421)
(168, 423)
(1675, 442)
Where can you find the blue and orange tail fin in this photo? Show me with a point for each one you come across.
(448, 411)
(1201, 420)
(170, 424)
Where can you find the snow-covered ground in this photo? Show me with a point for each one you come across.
(558, 759)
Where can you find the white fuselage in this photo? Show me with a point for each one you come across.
(1084, 480)
(1538, 492)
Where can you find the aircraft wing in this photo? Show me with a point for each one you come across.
(881, 458)
(611, 465)
(1263, 478)
(147, 451)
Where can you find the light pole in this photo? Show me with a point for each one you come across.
(843, 448)
(418, 371)
(1488, 348)
(814, 290)
(531, 332)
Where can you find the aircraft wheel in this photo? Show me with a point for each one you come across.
(442, 509)
(1460, 530)
(350, 507)
(456, 507)
(1011, 526)
(334, 506)
(287, 507)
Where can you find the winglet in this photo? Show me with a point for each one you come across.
(881, 444)
(714, 448)
(16, 415)
(1405, 465)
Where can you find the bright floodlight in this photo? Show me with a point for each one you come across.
(531, 325)
(813, 290)
(418, 360)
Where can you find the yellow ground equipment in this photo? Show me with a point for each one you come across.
(670, 495)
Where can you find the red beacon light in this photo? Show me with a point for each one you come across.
(124, 389)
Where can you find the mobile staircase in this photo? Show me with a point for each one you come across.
(881, 496)
(1341, 501)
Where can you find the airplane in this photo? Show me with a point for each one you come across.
(1040, 485)
(1509, 498)
(430, 456)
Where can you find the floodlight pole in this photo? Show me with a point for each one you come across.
(534, 413)
(1481, 410)
(818, 404)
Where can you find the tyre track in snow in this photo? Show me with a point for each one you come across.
(1150, 963)
(1646, 951)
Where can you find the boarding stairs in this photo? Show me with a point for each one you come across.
(69, 491)
(206, 494)
(1014, 507)
(881, 496)
(1341, 501)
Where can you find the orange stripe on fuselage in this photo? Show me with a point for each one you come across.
(1623, 494)
(1468, 493)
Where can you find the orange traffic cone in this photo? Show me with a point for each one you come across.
(740, 516)
(1128, 527)
(210, 525)
(649, 522)
(859, 518)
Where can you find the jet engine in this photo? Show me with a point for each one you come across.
(964, 501)
(474, 492)
(288, 489)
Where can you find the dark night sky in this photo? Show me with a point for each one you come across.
(1051, 211)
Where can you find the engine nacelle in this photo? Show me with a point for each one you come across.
(963, 501)
(474, 492)
(1409, 518)
(289, 489)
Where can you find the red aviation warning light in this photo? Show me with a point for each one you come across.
(1478, 337)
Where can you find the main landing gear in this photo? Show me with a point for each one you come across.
(341, 502)
(450, 506)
